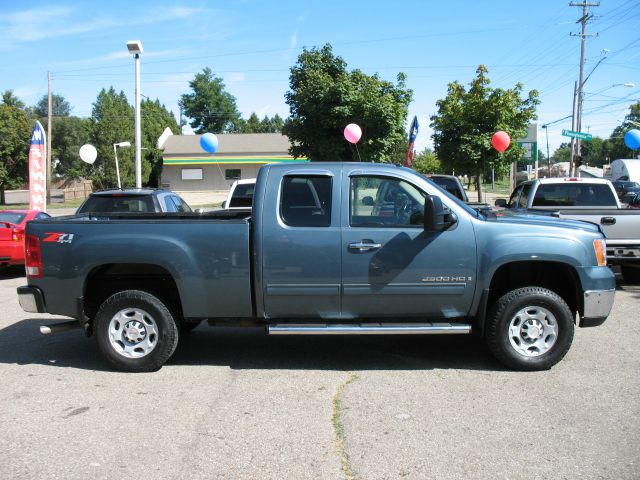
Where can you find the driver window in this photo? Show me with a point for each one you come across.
(385, 202)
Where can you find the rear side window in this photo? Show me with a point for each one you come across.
(574, 195)
(305, 201)
(176, 204)
(243, 195)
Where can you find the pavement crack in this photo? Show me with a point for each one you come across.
(338, 428)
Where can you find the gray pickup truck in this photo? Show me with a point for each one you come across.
(591, 200)
(329, 248)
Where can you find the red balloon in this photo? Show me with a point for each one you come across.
(500, 141)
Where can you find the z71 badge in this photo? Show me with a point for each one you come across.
(58, 237)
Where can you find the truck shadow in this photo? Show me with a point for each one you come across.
(249, 348)
(11, 272)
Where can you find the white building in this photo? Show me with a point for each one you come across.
(187, 167)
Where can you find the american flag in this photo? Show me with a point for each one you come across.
(413, 133)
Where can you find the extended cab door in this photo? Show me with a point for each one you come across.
(301, 245)
(391, 267)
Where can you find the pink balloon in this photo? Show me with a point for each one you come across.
(500, 141)
(352, 133)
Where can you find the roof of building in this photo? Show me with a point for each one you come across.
(229, 144)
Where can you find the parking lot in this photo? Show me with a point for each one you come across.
(237, 404)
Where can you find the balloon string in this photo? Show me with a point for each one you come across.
(358, 152)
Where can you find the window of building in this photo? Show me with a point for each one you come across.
(192, 174)
(305, 201)
(232, 174)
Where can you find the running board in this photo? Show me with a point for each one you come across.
(368, 329)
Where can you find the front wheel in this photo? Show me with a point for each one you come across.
(530, 329)
(136, 332)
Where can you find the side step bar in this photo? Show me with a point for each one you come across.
(368, 329)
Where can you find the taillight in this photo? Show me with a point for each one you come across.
(17, 234)
(32, 256)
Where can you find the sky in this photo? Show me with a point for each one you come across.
(252, 45)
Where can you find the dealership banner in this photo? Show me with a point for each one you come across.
(38, 169)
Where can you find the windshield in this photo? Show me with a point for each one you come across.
(120, 203)
(11, 217)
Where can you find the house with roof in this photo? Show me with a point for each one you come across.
(187, 167)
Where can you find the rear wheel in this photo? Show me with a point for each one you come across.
(530, 328)
(136, 332)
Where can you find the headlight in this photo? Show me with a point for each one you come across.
(600, 247)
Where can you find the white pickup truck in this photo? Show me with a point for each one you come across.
(240, 195)
(591, 200)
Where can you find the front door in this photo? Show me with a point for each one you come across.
(391, 267)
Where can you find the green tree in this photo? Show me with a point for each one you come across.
(595, 152)
(466, 121)
(59, 106)
(68, 134)
(427, 162)
(8, 98)
(15, 136)
(210, 107)
(617, 147)
(155, 118)
(324, 97)
(112, 122)
(251, 125)
(562, 154)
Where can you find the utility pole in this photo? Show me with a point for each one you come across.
(49, 118)
(583, 37)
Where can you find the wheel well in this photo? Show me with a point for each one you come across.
(555, 276)
(104, 281)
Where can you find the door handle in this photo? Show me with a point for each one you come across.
(364, 245)
(608, 221)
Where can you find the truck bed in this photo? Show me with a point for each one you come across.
(207, 256)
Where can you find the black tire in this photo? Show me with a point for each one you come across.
(514, 323)
(630, 273)
(134, 313)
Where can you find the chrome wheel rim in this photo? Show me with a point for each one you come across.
(533, 331)
(133, 333)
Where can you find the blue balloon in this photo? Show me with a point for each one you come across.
(209, 142)
(632, 139)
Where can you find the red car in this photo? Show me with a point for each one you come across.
(12, 225)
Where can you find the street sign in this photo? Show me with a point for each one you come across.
(580, 135)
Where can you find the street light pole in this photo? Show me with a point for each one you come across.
(115, 154)
(135, 48)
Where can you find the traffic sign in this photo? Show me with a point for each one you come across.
(580, 135)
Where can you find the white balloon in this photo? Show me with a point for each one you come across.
(88, 153)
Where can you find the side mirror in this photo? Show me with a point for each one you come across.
(199, 211)
(367, 201)
(224, 204)
(436, 215)
(501, 202)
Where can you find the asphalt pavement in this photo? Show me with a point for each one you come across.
(236, 404)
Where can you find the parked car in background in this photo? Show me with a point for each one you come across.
(453, 185)
(590, 200)
(625, 187)
(240, 195)
(634, 201)
(12, 225)
(141, 200)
